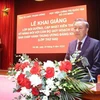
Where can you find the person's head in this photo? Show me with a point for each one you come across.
(81, 27)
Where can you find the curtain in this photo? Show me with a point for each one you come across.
(6, 33)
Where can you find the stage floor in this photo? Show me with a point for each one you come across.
(6, 88)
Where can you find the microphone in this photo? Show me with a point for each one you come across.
(86, 64)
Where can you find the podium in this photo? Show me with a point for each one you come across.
(95, 95)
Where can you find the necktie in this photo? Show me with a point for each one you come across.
(79, 45)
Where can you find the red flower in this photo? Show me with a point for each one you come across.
(49, 72)
(23, 81)
(57, 93)
(35, 91)
(26, 83)
(20, 79)
(17, 66)
(65, 66)
(36, 68)
(23, 65)
(18, 90)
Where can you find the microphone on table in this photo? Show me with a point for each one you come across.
(86, 64)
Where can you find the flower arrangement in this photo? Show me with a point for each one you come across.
(48, 80)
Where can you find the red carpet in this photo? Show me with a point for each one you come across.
(6, 88)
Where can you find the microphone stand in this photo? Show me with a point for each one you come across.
(91, 77)
(86, 65)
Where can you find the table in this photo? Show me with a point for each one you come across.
(95, 95)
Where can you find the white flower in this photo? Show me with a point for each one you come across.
(25, 91)
(45, 98)
(57, 83)
(49, 81)
(23, 98)
(72, 60)
(50, 84)
(74, 56)
(57, 72)
(26, 69)
(23, 59)
(59, 87)
(46, 91)
(35, 80)
(49, 63)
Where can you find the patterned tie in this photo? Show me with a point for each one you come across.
(79, 45)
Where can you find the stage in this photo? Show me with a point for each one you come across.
(6, 88)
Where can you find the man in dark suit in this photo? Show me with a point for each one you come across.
(89, 47)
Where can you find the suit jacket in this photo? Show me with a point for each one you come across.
(90, 50)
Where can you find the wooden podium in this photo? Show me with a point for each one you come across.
(95, 95)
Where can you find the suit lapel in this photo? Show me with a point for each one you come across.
(74, 46)
(85, 45)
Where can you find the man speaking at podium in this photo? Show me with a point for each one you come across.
(89, 47)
